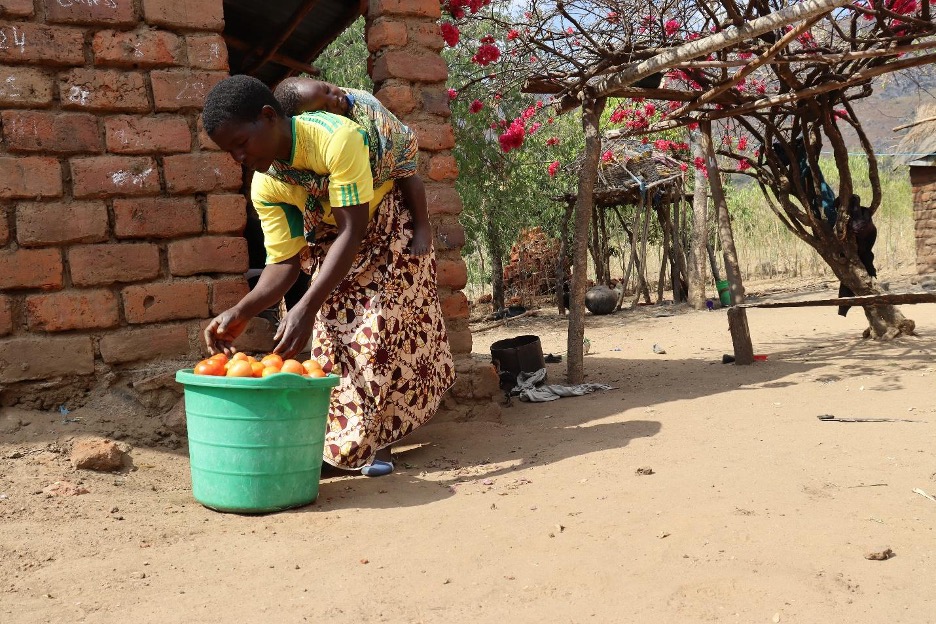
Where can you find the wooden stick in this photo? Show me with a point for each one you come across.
(914, 123)
(704, 47)
(863, 300)
(279, 59)
(298, 15)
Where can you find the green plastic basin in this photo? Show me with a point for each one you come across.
(255, 444)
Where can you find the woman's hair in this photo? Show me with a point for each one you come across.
(287, 94)
(238, 98)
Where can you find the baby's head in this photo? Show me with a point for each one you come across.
(301, 95)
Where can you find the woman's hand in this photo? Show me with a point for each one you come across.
(294, 331)
(224, 329)
(422, 239)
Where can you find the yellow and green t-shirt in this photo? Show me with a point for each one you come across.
(326, 144)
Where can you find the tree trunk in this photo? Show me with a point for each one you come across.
(641, 261)
(496, 249)
(561, 262)
(591, 116)
(725, 234)
(697, 251)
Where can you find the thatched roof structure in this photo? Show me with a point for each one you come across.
(918, 147)
(629, 169)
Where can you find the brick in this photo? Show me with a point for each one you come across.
(180, 88)
(455, 306)
(103, 90)
(386, 33)
(107, 12)
(208, 254)
(443, 199)
(157, 217)
(459, 337)
(165, 301)
(434, 136)
(204, 141)
(409, 66)
(417, 8)
(24, 87)
(436, 102)
(96, 265)
(6, 315)
(449, 235)
(226, 214)
(72, 309)
(201, 172)
(60, 223)
(207, 52)
(452, 273)
(30, 177)
(106, 176)
(37, 44)
(443, 167)
(201, 15)
(58, 133)
(4, 227)
(42, 357)
(138, 48)
(16, 8)
(427, 34)
(163, 134)
(226, 293)
(398, 99)
(148, 343)
(30, 268)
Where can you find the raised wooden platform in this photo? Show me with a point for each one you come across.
(741, 334)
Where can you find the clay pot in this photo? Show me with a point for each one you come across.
(601, 300)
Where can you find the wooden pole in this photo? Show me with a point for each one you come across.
(699, 238)
(725, 234)
(591, 117)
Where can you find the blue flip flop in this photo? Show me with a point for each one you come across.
(377, 468)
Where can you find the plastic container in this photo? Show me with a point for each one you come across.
(724, 292)
(255, 445)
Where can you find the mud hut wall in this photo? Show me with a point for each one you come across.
(923, 184)
(120, 221)
(409, 73)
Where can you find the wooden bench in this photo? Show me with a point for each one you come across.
(741, 334)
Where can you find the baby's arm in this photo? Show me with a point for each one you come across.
(414, 196)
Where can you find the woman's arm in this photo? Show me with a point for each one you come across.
(294, 332)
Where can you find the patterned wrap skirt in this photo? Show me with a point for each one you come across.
(382, 330)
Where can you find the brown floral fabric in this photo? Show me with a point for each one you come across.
(382, 330)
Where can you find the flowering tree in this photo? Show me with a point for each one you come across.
(775, 77)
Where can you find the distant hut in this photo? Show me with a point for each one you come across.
(918, 151)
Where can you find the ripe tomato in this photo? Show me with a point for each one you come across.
(273, 360)
(292, 366)
(209, 367)
(219, 357)
(269, 370)
(311, 365)
(316, 373)
(257, 368)
(240, 368)
(240, 355)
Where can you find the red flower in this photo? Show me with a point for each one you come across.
(536, 126)
(613, 17)
(553, 168)
(649, 109)
(486, 54)
(529, 112)
(452, 93)
(742, 143)
(487, 39)
(450, 34)
(699, 163)
(840, 114)
(745, 55)
(618, 116)
(513, 137)
(512, 34)
(744, 165)
(661, 144)
(671, 27)
(550, 120)
(683, 166)
(552, 141)
(903, 7)
(644, 140)
(607, 156)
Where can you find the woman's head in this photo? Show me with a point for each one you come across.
(243, 118)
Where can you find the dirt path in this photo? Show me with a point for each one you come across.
(756, 511)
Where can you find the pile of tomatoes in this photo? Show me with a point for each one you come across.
(243, 365)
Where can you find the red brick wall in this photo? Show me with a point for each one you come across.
(119, 222)
(923, 183)
(409, 75)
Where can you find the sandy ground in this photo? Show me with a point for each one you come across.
(756, 511)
